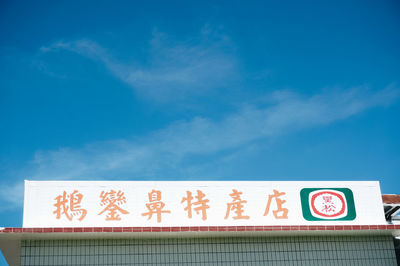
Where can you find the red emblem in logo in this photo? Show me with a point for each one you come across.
(328, 204)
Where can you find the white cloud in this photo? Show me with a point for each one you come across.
(166, 150)
(175, 69)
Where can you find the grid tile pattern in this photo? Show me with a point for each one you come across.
(18, 230)
(305, 250)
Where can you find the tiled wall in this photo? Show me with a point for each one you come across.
(308, 250)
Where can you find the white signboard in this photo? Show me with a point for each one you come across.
(170, 203)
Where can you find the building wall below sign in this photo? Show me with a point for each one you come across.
(300, 250)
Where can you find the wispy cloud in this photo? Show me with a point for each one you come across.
(165, 151)
(175, 69)
(11, 196)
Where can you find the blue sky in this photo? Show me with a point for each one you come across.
(201, 90)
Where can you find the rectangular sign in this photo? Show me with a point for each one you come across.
(197, 203)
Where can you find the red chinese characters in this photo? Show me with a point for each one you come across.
(112, 201)
(194, 203)
(236, 206)
(329, 205)
(201, 204)
(69, 205)
(280, 212)
(155, 206)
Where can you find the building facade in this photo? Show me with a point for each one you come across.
(210, 223)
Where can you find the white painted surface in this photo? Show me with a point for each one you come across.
(40, 197)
